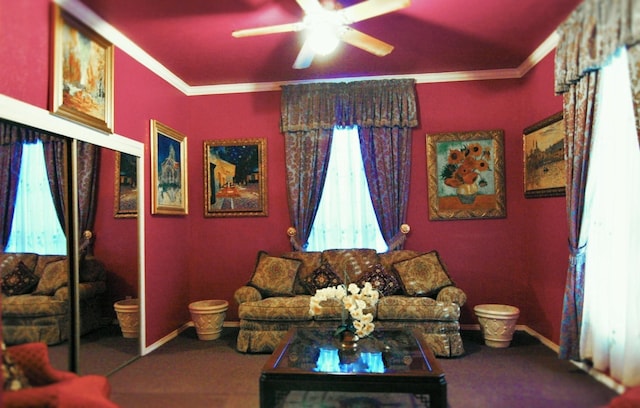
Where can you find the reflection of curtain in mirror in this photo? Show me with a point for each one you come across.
(12, 136)
(88, 164)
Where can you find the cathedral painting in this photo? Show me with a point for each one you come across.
(168, 170)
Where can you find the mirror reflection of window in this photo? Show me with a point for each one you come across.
(35, 227)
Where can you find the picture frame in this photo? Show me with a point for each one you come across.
(126, 190)
(544, 161)
(466, 175)
(235, 178)
(169, 187)
(82, 73)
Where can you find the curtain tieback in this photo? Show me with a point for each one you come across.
(576, 253)
(399, 238)
(293, 238)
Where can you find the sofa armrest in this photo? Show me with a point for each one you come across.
(86, 290)
(452, 294)
(247, 294)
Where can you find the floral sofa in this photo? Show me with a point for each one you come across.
(415, 288)
(35, 297)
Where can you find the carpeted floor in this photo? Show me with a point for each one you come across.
(188, 372)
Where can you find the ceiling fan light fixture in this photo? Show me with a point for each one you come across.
(323, 41)
(323, 32)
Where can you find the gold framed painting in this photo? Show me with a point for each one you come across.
(169, 188)
(544, 162)
(466, 175)
(235, 178)
(126, 186)
(82, 73)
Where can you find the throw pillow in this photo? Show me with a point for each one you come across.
(14, 378)
(323, 277)
(274, 276)
(384, 281)
(19, 281)
(54, 276)
(423, 275)
(353, 262)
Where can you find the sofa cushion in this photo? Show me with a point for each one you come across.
(323, 277)
(352, 262)
(9, 261)
(274, 276)
(310, 262)
(19, 281)
(384, 281)
(277, 309)
(407, 308)
(54, 276)
(423, 275)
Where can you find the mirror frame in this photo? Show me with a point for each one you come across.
(30, 115)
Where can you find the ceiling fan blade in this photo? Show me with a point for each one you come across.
(309, 6)
(366, 42)
(280, 28)
(372, 8)
(305, 57)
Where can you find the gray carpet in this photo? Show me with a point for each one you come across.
(187, 372)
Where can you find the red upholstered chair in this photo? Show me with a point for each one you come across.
(629, 399)
(50, 387)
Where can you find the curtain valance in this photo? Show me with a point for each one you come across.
(11, 133)
(385, 103)
(591, 34)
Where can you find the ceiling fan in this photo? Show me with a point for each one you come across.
(326, 24)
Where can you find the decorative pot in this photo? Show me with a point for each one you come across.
(208, 317)
(467, 193)
(497, 323)
(128, 312)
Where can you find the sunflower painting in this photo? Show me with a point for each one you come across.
(466, 175)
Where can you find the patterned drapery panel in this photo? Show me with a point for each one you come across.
(307, 157)
(88, 165)
(386, 153)
(385, 112)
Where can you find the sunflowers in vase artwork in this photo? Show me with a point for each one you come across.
(464, 170)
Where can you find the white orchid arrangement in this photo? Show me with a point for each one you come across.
(354, 301)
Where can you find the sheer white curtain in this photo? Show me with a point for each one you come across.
(345, 218)
(610, 333)
(35, 227)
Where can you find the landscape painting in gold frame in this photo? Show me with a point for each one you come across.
(235, 178)
(466, 175)
(169, 188)
(126, 190)
(82, 73)
(544, 163)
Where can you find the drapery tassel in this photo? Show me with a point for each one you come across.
(293, 238)
(398, 240)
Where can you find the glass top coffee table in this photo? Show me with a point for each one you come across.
(387, 361)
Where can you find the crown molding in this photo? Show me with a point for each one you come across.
(88, 17)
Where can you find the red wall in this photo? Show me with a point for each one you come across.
(520, 260)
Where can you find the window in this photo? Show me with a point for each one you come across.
(611, 308)
(345, 217)
(35, 226)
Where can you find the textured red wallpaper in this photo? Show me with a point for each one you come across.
(519, 260)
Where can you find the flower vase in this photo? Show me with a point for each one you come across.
(467, 193)
(346, 335)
